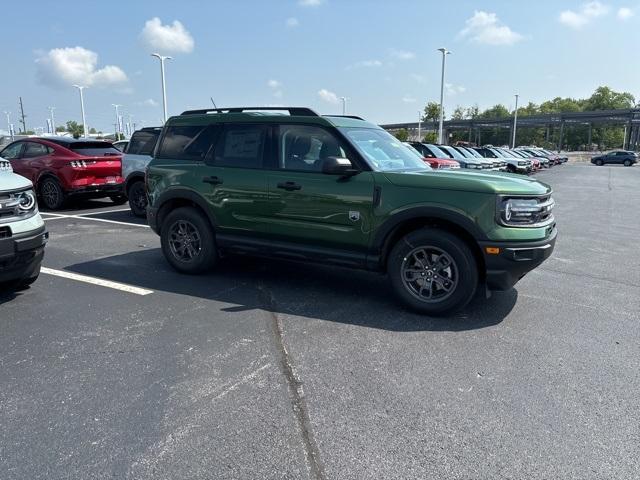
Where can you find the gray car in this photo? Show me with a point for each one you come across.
(134, 161)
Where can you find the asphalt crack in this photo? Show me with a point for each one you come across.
(298, 401)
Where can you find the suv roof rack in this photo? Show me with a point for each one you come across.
(298, 111)
(355, 117)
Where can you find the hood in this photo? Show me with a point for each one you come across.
(10, 181)
(466, 181)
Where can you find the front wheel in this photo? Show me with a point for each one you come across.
(599, 162)
(51, 194)
(188, 241)
(627, 163)
(433, 271)
(118, 199)
(138, 199)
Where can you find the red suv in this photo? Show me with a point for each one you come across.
(61, 167)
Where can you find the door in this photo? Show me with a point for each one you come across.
(13, 153)
(32, 161)
(313, 209)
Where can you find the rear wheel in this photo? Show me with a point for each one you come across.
(511, 168)
(51, 193)
(627, 163)
(433, 271)
(137, 199)
(188, 241)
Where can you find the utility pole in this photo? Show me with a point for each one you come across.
(24, 125)
(344, 105)
(117, 129)
(444, 52)
(515, 123)
(419, 126)
(53, 122)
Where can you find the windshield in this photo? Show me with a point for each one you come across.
(94, 148)
(437, 152)
(383, 151)
(463, 152)
(473, 153)
(453, 152)
(514, 153)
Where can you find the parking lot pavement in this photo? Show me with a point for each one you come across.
(278, 370)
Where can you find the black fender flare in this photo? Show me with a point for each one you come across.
(133, 176)
(181, 193)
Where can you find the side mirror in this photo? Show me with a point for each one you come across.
(338, 166)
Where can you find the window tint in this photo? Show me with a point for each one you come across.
(12, 151)
(188, 142)
(143, 143)
(303, 147)
(32, 150)
(241, 146)
(94, 149)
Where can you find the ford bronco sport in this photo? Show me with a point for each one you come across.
(342, 191)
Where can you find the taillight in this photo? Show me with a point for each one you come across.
(78, 164)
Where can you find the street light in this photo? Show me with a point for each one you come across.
(445, 52)
(515, 123)
(344, 105)
(84, 121)
(419, 126)
(53, 122)
(164, 86)
(9, 129)
(117, 124)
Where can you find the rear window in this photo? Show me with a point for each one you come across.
(191, 142)
(94, 149)
(143, 142)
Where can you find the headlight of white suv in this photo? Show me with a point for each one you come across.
(26, 200)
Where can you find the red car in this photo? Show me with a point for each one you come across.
(433, 156)
(61, 167)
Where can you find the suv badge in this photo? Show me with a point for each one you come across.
(354, 216)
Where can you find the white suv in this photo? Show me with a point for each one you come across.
(22, 231)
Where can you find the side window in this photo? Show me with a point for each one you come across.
(33, 150)
(190, 142)
(241, 146)
(12, 151)
(304, 148)
(142, 143)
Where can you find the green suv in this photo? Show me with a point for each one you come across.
(341, 191)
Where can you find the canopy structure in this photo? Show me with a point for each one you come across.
(628, 117)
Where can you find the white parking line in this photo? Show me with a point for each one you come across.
(96, 281)
(104, 211)
(57, 216)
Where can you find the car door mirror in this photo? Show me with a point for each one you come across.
(338, 166)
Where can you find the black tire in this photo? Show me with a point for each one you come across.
(137, 198)
(599, 162)
(405, 270)
(51, 193)
(511, 168)
(188, 241)
(118, 199)
(627, 163)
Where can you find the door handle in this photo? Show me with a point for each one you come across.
(289, 186)
(212, 180)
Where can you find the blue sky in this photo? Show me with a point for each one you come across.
(380, 54)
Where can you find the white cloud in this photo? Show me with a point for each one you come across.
(365, 64)
(409, 99)
(171, 38)
(585, 15)
(486, 28)
(76, 65)
(149, 102)
(402, 54)
(328, 96)
(310, 3)
(453, 90)
(625, 13)
(292, 22)
(276, 88)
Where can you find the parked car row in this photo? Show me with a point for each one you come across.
(331, 189)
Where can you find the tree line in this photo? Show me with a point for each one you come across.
(575, 137)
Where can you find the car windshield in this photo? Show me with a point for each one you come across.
(383, 151)
(463, 152)
(473, 153)
(437, 152)
(453, 152)
(515, 153)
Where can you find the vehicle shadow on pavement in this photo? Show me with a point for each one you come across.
(302, 290)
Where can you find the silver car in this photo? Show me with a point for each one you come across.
(134, 161)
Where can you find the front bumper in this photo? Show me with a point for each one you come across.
(21, 255)
(515, 260)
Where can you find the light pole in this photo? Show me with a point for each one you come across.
(53, 122)
(8, 114)
(419, 126)
(344, 105)
(445, 52)
(515, 123)
(117, 124)
(84, 121)
(164, 86)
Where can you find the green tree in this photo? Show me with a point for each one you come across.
(473, 112)
(75, 129)
(93, 130)
(402, 135)
(459, 113)
(432, 112)
(497, 111)
(606, 99)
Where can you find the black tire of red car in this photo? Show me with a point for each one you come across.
(599, 162)
(118, 199)
(137, 199)
(627, 163)
(446, 262)
(51, 193)
(188, 241)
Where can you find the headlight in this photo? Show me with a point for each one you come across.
(522, 164)
(526, 211)
(26, 200)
